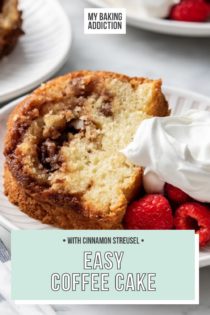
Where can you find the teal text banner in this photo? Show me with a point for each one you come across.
(105, 266)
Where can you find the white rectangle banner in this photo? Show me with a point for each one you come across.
(104, 21)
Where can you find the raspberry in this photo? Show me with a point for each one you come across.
(152, 212)
(194, 216)
(190, 11)
(175, 194)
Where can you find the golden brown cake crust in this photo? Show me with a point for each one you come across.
(56, 216)
(31, 188)
(10, 26)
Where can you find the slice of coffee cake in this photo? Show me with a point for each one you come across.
(63, 161)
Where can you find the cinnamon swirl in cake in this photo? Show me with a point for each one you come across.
(63, 161)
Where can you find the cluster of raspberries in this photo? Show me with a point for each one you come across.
(173, 210)
(191, 11)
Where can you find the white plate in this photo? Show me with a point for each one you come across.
(136, 18)
(13, 218)
(40, 52)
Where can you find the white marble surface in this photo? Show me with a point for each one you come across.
(182, 62)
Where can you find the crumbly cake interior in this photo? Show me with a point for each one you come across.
(10, 26)
(9, 14)
(74, 144)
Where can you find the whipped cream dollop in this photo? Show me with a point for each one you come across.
(146, 8)
(157, 8)
(176, 150)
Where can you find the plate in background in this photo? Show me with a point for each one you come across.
(40, 52)
(12, 218)
(135, 18)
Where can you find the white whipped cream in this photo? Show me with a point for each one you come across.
(146, 8)
(176, 150)
(157, 8)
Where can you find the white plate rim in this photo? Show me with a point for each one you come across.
(27, 87)
(203, 261)
(163, 26)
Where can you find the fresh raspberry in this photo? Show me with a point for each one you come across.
(152, 212)
(176, 195)
(194, 216)
(190, 11)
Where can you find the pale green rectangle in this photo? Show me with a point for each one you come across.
(36, 255)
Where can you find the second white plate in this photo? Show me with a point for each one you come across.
(13, 218)
(40, 52)
(137, 19)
